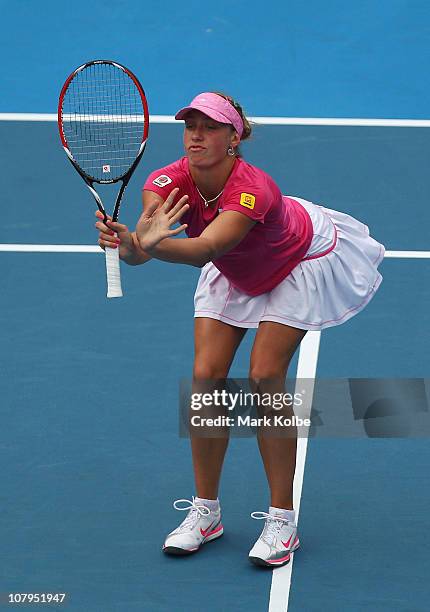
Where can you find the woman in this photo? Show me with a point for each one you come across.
(279, 264)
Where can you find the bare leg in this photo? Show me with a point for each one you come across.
(274, 347)
(215, 346)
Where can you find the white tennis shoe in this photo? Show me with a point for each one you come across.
(276, 542)
(201, 525)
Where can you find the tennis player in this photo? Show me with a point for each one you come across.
(277, 263)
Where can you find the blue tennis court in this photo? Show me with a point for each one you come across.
(91, 455)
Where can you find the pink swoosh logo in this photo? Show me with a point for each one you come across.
(287, 544)
(205, 532)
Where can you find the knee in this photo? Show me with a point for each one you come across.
(265, 371)
(209, 371)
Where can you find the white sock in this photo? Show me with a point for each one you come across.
(290, 515)
(212, 504)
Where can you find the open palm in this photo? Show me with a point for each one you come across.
(155, 222)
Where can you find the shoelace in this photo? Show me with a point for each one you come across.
(195, 512)
(273, 524)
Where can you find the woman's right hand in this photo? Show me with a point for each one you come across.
(107, 238)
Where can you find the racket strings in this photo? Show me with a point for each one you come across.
(103, 120)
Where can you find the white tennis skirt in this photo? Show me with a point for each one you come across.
(335, 281)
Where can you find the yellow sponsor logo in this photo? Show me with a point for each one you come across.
(247, 199)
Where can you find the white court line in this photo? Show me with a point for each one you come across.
(346, 121)
(89, 248)
(408, 254)
(51, 248)
(307, 367)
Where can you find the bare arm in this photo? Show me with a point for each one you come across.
(223, 234)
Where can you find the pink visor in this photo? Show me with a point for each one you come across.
(215, 107)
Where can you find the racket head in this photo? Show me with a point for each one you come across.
(103, 120)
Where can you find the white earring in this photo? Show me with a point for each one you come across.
(230, 151)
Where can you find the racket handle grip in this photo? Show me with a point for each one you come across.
(113, 273)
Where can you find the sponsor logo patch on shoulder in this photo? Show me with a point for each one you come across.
(247, 200)
(162, 180)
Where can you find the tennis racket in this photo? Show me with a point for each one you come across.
(103, 121)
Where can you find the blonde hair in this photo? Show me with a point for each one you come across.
(247, 126)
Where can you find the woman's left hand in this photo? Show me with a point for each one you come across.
(156, 221)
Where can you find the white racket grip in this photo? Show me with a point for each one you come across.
(113, 272)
